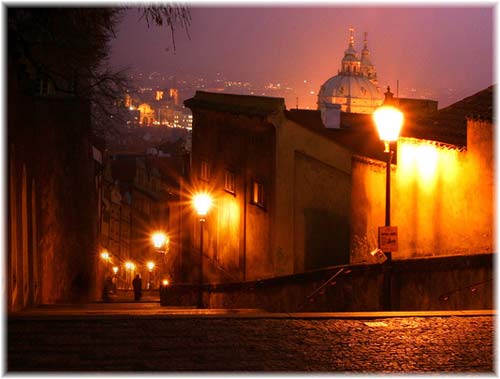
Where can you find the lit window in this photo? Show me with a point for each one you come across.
(204, 170)
(229, 182)
(258, 194)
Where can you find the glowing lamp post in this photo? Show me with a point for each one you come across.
(202, 203)
(130, 267)
(151, 266)
(389, 121)
(105, 255)
(160, 241)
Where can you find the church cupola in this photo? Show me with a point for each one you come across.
(350, 62)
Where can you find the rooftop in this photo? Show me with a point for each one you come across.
(237, 104)
(358, 132)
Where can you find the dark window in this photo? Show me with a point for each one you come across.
(204, 172)
(257, 193)
(229, 182)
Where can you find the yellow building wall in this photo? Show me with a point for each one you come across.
(292, 141)
(228, 231)
(321, 214)
(442, 198)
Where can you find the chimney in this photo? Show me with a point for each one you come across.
(330, 115)
(389, 97)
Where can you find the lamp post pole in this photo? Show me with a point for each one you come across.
(388, 121)
(387, 290)
(390, 154)
(200, 279)
(202, 203)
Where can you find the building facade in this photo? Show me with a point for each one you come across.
(292, 196)
(140, 197)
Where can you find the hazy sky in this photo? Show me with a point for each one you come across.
(423, 47)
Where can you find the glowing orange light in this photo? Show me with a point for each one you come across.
(165, 282)
(129, 266)
(115, 269)
(105, 255)
(151, 265)
(202, 202)
(159, 239)
(389, 121)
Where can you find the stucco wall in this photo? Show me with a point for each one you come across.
(237, 232)
(442, 198)
(321, 217)
(297, 189)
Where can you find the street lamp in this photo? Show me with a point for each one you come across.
(115, 283)
(105, 255)
(130, 267)
(201, 203)
(389, 121)
(160, 241)
(151, 266)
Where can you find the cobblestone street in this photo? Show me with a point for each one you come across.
(194, 343)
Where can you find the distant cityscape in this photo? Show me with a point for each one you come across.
(160, 96)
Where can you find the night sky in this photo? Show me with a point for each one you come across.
(428, 49)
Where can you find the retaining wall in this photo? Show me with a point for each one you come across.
(445, 283)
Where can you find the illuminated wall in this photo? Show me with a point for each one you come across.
(442, 198)
(313, 186)
(237, 232)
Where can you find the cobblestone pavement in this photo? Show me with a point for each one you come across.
(125, 344)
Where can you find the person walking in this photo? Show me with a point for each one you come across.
(137, 284)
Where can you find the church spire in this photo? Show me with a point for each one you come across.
(351, 37)
(350, 62)
(367, 69)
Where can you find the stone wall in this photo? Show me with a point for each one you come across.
(446, 283)
(52, 201)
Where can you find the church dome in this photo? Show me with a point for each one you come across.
(355, 87)
(349, 85)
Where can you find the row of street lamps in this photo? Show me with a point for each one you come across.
(388, 121)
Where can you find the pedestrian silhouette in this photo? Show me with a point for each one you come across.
(137, 284)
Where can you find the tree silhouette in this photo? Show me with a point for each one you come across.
(65, 51)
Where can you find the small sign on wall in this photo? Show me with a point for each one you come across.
(388, 238)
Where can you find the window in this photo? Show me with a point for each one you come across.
(258, 193)
(204, 170)
(229, 182)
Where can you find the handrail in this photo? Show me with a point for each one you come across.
(322, 286)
